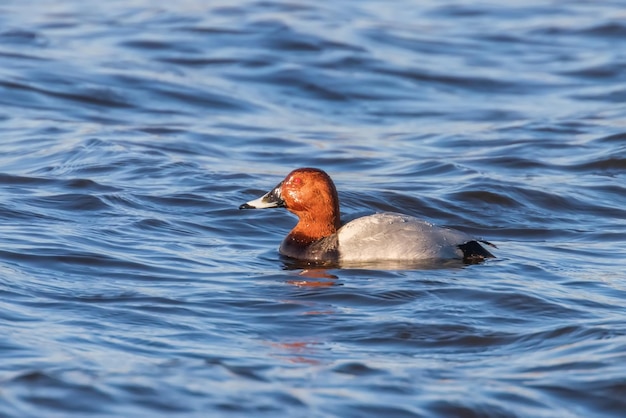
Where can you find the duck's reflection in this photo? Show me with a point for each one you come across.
(320, 269)
(314, 278)
(301, 352)
(307, 275)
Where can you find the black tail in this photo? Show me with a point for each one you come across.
(473, 252)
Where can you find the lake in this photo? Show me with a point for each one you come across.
(132, 286)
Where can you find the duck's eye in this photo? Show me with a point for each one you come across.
(296, 180)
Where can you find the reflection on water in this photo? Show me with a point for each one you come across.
(313, 269)
(132, 286)
(313, 277)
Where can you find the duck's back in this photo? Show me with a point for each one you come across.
(391, 236)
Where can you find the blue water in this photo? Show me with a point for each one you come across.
(131, 131)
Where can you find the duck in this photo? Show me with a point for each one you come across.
(319, 237)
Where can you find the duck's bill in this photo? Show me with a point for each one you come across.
(271, 199)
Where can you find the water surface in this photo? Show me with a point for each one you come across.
(130, 284)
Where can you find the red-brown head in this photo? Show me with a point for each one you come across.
(310, 194)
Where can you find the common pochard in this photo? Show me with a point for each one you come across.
(310, 194)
